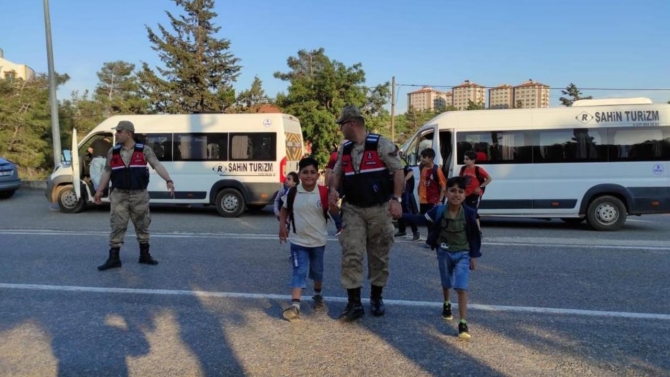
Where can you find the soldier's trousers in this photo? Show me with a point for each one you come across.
(366, 231)
(129, 205)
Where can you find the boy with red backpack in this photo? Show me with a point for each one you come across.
(476, 181)
(306, 208)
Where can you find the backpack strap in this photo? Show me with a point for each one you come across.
(435, 178)
(460, 174)
(323, 193)
(290, 198)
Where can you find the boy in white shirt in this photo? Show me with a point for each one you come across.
(306, 207)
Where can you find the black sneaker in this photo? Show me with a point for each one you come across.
(446, 312)
(352, 312)
(400, 234)
(291, 313)
(463, 332)
(318, 303)
(416, 236)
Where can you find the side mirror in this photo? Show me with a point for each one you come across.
(66, 156)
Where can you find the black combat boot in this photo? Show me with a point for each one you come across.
(113, 261)
(376, 302)
(354, 309)
(145, 257)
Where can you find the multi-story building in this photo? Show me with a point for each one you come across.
(531, 94)
(466, 92)
(428, 98)
(501, 97)
(13, 71)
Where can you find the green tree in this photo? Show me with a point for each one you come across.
(519, 104)
(199, 70)
(251, 100)
(82, 113)
(119, 88)
(574, 94)
(319, 88)
(25, 124)
(475, 105)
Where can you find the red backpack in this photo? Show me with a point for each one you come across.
(290, 198)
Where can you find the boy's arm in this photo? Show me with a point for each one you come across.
(443, 184)
(474, 236)
(426, 219)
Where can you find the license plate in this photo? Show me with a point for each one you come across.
(6, 172)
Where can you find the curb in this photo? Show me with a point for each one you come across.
(34, 185)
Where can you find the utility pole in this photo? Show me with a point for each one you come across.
(55, 129)
(393, 109)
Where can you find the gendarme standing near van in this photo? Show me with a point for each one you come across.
(371, 174)
(126, 166)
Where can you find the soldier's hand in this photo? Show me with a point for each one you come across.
(170, 187)
(97, 198)
(283, 233)
(334, 197)
(395, 209)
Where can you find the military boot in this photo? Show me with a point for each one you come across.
(376, 302)
(354, 309)
(113, 261)
(145, 257)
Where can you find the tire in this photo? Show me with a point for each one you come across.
(256, 207)
(7, 194)
(606, 213)
(573, 220)
(230, 203)
(67, 201)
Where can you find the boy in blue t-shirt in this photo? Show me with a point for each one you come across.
(454, 234)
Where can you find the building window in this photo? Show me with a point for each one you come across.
(10, 76)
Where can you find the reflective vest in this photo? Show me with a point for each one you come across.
(135, 176)
(372, 184)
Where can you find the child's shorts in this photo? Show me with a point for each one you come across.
(454, 268)
(305, 259)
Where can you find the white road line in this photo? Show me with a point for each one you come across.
(264, 296)
(257, 236)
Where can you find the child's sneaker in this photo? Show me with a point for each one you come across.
(318, 303)
(446, 311)
(463, 332)
(291, 313)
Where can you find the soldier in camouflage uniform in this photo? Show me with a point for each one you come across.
(370, 174)
(126, 166)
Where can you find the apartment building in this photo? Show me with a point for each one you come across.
(468, 91)
(428, 98)
(531, 94)
(501, 97)
(13, 71)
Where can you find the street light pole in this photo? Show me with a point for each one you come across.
(55, 129)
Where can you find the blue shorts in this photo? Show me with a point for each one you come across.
(454, 268)
(304, 258)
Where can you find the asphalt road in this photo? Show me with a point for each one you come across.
(546, 299)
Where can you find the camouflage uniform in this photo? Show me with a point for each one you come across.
(130, 204)
(366, 230)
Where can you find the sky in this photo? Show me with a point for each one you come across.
(619, 44)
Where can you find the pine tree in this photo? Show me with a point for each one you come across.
(199, 70)
(575, 94)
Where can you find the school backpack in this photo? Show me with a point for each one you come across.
(290, 198)
(477, 174)
(435, 167)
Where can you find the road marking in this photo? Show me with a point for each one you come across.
(267, 296)
(274, 237)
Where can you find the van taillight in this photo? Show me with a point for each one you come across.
(282, 170)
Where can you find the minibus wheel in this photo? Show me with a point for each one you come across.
(606, 213)
(230, 203)
(67, 200)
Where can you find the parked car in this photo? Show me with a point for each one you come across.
(9, 179)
